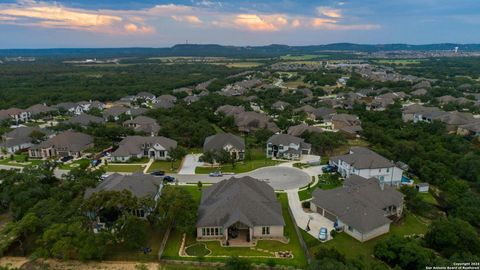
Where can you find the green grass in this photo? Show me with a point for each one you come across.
(121, 253)
(197, 250)
(428, 197)
(299, 260)
(326, 181)
(165, 166)
(353, 248)
(21, 160)
(398, 61)
(134, 161)
(258, 160)
(124, 168)
(217, 129)
(289, 57)
(75, 164)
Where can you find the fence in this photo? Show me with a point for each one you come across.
(300, 237)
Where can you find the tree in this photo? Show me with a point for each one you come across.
(208, 157)
(176, 153)
(132, 231)
(236, 263)
(223, 156)
(199, 185)
(453, 236)
(177, 205)
(37, 136)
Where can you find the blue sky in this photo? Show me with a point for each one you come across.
(160, 23)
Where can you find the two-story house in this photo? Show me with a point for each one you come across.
(366, 163)
(284, 146)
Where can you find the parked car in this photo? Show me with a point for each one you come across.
(216, 174)
(328, 169)
(158, 173)
(169, 179)
(104, 176)
(65, 159)
(323, 234)
(96, 162)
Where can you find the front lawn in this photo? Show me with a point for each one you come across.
(219, 253)
(165, 166)
(352, 248)
(325, 181)
(142, 160)
(124, 168)
(257, 160)
(75, 164)
(21, 160)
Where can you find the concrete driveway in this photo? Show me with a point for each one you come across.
(189, 164)
(280, 178)
(317, 221)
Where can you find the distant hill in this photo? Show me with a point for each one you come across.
(233, 51)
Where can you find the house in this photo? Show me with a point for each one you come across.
(251, 121)
(138, 184)
(38, 110)
(349, 124)
(454, 119)
(470, 129)
(229, 110)
(235, 145)
(280, 105)
(239, 211)
(323, 114)
(366, 163)
(191, 99)
(286, 146)
(85, 120)
(137, 111)
(79, 107)
(114, 113)
(298, 130)
(143, 124)
(415, 112)
(163, 104)
(361, 208)
(144, 96)
(139, 146)
(67, 143)
(167, 99)
(21, 138)
(419, 92)
(15, 114)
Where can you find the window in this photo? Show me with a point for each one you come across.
(204, 231)
(265, 230)
(221, 231)
(350, 228)
(162, 153)
(388, 169)
(216, 231)
(379, 170)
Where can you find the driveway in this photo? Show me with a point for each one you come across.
(301, 217)
(189, 164)
(280, 178)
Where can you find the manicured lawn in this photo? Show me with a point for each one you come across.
(74, 164)
(257, 160)
(165, 166)
(134, 161)
(20, 161)
(428, 197)
(326, 181)
(124, 168)
(299, 260)
(352, 248)
(197, 250)
(122, 253)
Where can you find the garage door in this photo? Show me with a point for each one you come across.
(330, 216)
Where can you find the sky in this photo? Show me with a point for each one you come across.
(160, 23)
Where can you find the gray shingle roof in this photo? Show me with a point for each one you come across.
(139, 184)
(134, 145)
(246, 200)
(284, 139)
(115, 111)
(69, 140)
(85, 120)
(144, 123)
(298, 130)
(230, 110)
(359, 202)
(364, 158)
(217, 142)
(39, 108)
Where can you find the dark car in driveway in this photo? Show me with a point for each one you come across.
(65, 159)
(329, 169)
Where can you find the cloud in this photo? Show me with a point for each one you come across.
(42, 14)
(296, 23)
(329, 12)
(133, 28)
(187, 18)
(254, 22)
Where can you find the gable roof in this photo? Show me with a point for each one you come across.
(230, 110)
(298, 130)
(134, 145)
(218, 141)
(139, 184)
(359, 202)
(84, 120)
(246, 200)
(69, 140)
(144, 123)
(364, 158)
(39, 108)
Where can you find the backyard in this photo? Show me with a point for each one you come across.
(351, 248)
(262, 253)
(257, 160)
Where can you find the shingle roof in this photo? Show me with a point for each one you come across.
(115, 111)
(144, 123)
(249, 121)
(217, 142)
(364, 158)
(359, 202)
(134, 145)
(70, 140)
(84, 119)
(246, 200)
(139, 184)
(39, 108)
(230, 110)
(298, 130)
